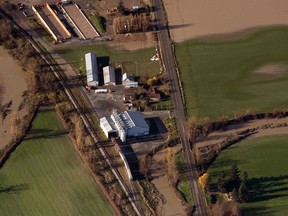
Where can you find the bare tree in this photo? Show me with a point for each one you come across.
(171, 165)
(126, 24)
(15, 125)
(144, 166)
(5, 110)
(32, 70)
(78, 130)
(6, 30)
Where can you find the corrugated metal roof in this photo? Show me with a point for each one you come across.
(91, 68)
(108, 124)
(134, 119)
(109, 75)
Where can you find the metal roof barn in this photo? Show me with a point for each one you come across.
(91, 69)
(135, 123)
(107, 126)
(109, 75)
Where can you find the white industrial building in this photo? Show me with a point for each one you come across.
(108, 127)
(127, 124)
(128, 81)
(91, 69)
(109, 75)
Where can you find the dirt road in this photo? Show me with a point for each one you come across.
(261, 126)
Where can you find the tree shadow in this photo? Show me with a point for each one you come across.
(252, 211)
(14, 189)
(163, 27)
(266, 188)
(44, 133)
(225, 165)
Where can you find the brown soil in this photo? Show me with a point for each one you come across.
(271, 69)
(194, 18)
(12, 85)
(131, 42)
(219, 136)
(172, 204)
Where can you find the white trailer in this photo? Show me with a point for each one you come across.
(102, 91)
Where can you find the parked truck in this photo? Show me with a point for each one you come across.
(102, 91)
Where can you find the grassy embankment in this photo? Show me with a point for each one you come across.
(219, 74)
(184, 184)
(98, 22)
(134, 62)
(45, 176)
(267, 172)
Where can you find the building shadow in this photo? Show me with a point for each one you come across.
(156, 125)
(132, 160)
(102, 61)
(118, 76)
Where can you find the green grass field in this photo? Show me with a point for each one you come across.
(133, 62)
(219, 78)
(45, 176)
(265, 159)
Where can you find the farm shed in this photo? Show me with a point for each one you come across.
(128, 81)
(108, 127)
(126, 124)
(109, 75)
(51, 22)
(79, 20)
(135, 123)
(91, 69)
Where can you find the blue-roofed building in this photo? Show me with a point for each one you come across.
(91, 69)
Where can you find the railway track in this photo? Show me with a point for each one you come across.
(50, 61)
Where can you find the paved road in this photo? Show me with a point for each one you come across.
(170, 67)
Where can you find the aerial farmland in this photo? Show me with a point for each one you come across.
(232, 61)
(182, 108)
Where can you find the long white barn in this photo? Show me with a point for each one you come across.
(91, 69)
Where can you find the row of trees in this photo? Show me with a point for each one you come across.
(234, 184)
(226, 182)
(130, 24)
(41, 83)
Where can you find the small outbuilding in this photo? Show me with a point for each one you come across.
(128, 81)
(109, 75)
(91, 69)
